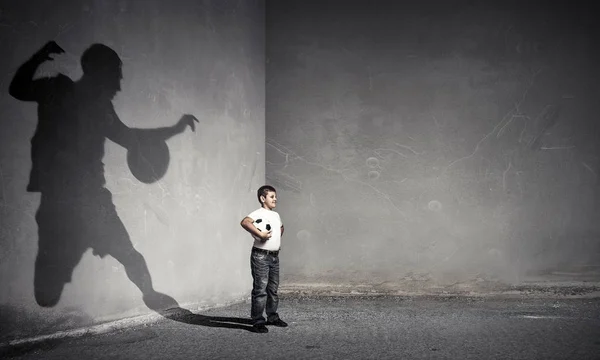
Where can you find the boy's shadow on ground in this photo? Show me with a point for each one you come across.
(186, 316)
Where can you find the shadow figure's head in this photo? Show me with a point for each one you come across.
(102, 66)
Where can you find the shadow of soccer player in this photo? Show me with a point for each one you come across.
(76, 211)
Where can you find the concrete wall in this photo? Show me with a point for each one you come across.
(205, 58)
(424, 144)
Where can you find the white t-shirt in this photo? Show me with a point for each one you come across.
(273, 218)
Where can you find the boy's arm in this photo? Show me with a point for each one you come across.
(281, 222)
(248, 224)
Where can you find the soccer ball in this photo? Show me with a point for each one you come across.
(262, 225)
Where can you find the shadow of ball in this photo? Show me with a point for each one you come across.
(148, 161)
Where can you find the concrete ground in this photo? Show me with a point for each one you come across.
(354, 327)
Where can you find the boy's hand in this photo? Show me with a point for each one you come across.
(265, 235)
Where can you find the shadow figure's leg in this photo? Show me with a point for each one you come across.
(115, 242)
(273, 285)
(53, 270)
(138, 273)
(134, 264)
(259, 267)
(59, 250)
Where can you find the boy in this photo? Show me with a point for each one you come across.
(264, 260)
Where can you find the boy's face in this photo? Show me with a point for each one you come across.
(269, 201)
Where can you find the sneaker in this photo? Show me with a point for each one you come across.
(260, 328)
(278, 322)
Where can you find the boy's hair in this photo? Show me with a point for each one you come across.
(263, 191)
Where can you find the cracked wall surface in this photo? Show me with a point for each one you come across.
(434, 144)
(205, 58)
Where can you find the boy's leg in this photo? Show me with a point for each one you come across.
(272, 297)
(272, 286)
(260, 273)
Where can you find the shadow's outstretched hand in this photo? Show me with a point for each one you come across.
(187, 120)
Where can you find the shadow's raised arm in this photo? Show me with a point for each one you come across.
(23, 87)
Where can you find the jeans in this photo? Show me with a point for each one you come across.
(265, 272)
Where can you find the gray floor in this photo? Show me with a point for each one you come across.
(358, 328)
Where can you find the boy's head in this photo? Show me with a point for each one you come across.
(267, 197)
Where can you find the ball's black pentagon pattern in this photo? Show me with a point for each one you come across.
(262, 225)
